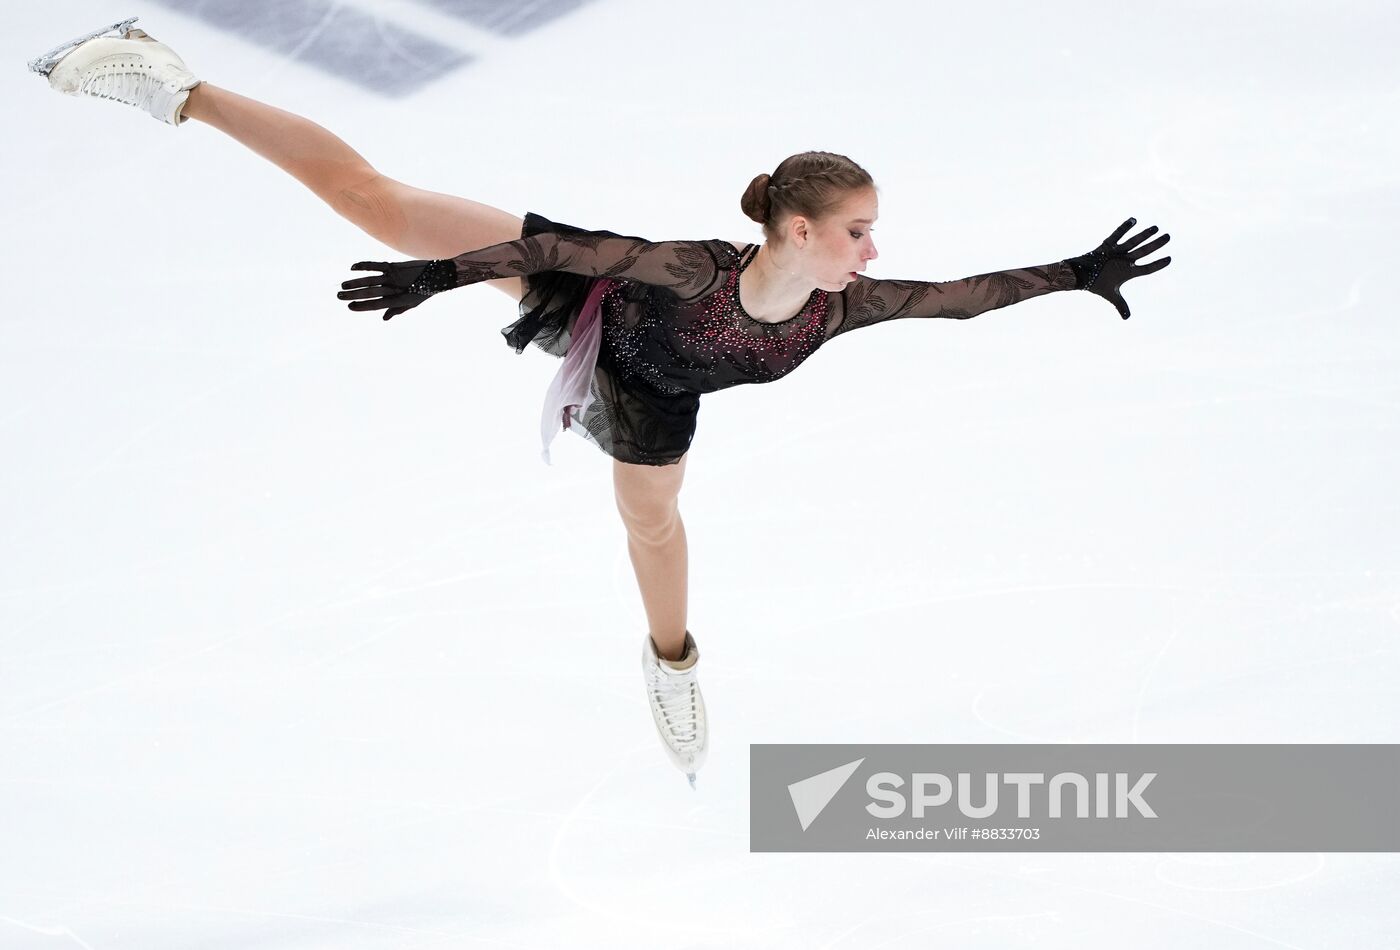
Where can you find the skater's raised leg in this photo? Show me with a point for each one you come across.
(135, 69)
(421, 224)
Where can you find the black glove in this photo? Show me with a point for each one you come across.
(401, 287)
(1106, 268)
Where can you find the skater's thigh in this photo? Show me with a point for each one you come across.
(429, 225)
(646, 494)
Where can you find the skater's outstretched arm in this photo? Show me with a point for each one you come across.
(869, 301)
(1101, 271)
(689, 268)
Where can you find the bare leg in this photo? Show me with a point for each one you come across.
(661, 566)
(647, 500)
(420, 224)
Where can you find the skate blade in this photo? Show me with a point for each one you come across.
(44, 65)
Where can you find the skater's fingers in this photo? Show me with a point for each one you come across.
(376, 304)
(1138, 238)
(1121, 230)
(370, 265)
(362, 294)
(1147, 249)
(361, 282)
(1117, 300)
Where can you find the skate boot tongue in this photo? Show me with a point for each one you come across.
(687, 660)
(683, 665)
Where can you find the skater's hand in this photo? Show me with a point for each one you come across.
(401, 287)
(1106, 268)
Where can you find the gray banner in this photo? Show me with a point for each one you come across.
(1074, 797)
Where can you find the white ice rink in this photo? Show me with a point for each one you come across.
(302, 646)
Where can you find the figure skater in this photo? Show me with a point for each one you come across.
(642, 328)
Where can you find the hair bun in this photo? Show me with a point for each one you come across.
(756, 203)
(811, 184)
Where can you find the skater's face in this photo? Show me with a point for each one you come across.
(836, 247)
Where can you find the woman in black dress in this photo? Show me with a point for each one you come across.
(642, 328)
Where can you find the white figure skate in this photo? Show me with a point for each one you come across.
(677, 706)
(132, 68)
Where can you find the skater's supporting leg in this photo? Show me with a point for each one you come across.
(647, 500)
(421, 224)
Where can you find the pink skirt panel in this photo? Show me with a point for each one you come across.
(570, 393)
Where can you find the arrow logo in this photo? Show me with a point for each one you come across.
(811, 795)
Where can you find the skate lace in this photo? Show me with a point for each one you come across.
(131, 86)
(679, 708)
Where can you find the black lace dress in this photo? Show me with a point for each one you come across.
(667, 325)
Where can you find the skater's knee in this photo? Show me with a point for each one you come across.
(651, 524)
(648, 500)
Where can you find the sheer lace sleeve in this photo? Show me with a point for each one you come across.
(688, 268)
(866, 301)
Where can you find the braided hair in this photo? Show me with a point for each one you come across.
(811, 184)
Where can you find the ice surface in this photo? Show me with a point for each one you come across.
(301, 646)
